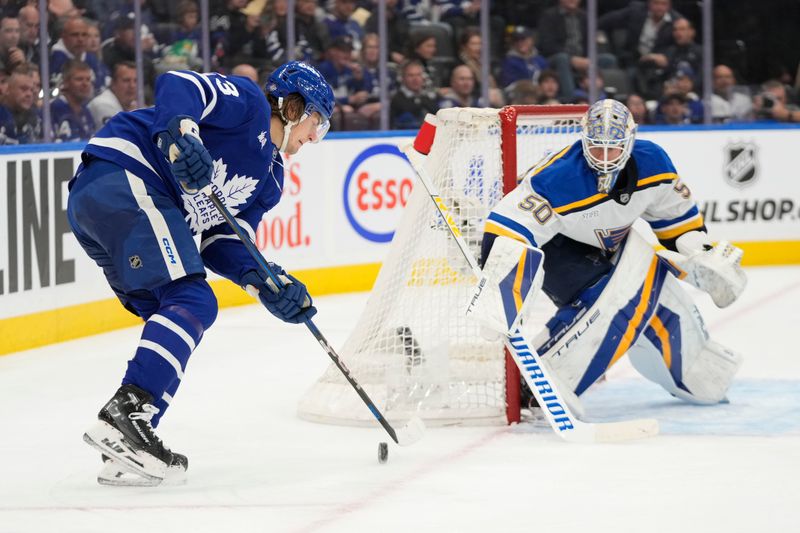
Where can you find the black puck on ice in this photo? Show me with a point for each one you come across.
(383, 452)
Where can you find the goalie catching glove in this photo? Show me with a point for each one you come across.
(716, 270)
(192, 165)
(291, 302)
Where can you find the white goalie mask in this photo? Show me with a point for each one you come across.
(607, 134)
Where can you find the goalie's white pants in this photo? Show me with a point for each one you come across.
(643, 311)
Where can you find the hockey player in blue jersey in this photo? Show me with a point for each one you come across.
(614, 294)
(135, 206)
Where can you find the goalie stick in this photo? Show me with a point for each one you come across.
(537, 376)
(412, 431)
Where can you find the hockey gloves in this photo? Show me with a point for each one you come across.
(718, 271)
(192, 165)
(291, 303)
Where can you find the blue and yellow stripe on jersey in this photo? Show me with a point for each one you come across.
(627, 324)
(674, 227)
(570, 185)
(500, 225)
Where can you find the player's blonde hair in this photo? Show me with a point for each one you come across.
(293, 107)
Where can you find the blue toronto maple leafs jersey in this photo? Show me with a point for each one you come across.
(234, 119)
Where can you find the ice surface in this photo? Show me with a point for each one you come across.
(256, 467)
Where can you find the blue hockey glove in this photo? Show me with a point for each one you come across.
(291, 303)
(192, 165)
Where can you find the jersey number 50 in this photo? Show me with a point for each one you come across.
(538, 206)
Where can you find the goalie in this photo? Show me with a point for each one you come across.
(614, 294)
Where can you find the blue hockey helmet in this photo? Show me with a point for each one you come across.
(301, 78)
(607, 134)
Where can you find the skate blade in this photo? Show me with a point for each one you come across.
(111, 442)
(119, 475)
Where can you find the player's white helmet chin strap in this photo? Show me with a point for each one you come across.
(607, 135)
(287, 126)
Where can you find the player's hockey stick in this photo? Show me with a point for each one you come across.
(412, 431)
(537, 376)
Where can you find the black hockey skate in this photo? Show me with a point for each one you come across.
(118, 475)
(124, 433)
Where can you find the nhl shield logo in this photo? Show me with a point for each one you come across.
(135, 261)
(740, 164)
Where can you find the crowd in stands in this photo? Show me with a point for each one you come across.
(648, 57)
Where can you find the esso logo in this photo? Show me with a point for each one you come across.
(376, 189)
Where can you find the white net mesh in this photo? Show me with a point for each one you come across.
(414, 351)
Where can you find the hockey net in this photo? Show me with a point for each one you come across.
(413, 350)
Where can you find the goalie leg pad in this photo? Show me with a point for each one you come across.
(511, 278)
(604, 332)
(677, 353)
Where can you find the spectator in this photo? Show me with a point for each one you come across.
(462, 14)
(470, 55)
(647, 28)
(182, 44)
(522, 62)
(410, 103)
(73, 44)
(461, 92)
(524, 92)
(93, 47)
(37, 85)
(340, 23)
(127, 10)
(548, 88)
(120, 95)
(310, 30)
(311, 35)
(11, 55)
(246, 71)
(581, 93)
(19, 118)
(343, 75)
(247, 35)
(370, 53)
(773, 103)
(726, 102)
(683, 54)
(72, 120)
(673, 110)
(123, 48)
(682, 84)
(273, 20)
(414, 10)
(648, 32)
(423, 49)
(397, 26)
(223, 17)
(562, 40)
(638, 108)
(29, 33)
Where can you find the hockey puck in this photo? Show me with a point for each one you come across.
(383, 452)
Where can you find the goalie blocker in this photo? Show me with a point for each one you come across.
(642, 311)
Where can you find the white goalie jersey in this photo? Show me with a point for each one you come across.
(559, 197)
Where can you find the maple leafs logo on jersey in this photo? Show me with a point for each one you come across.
(233, 192)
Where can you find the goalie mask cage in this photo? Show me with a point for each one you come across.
(413, 349)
